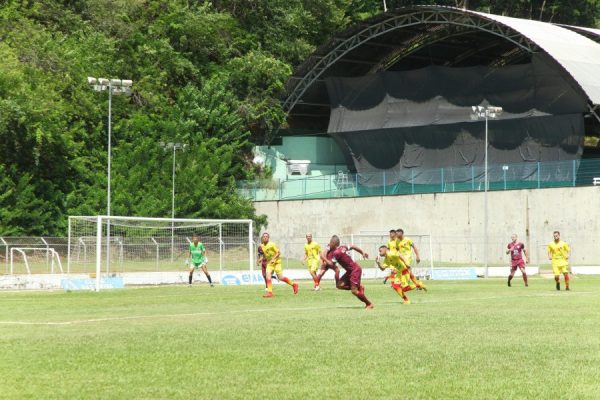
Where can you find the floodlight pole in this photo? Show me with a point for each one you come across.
(486, 112)
(175, 147)
(118, 86)
(485, 195)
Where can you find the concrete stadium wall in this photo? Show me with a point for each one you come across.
(455, 221)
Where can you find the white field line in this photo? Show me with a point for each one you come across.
(262, 310)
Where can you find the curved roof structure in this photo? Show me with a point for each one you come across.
(416, 37)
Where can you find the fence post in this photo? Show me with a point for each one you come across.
(442, 176)
(304, 188)
(574, 169)
(5, 252)
(384, 182)
(538, 175)
(356, 184)
(412, 180)
(472, 178)
(280, 188)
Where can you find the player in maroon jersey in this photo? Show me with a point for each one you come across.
(325, 267)
(338, 254)
(518, 258)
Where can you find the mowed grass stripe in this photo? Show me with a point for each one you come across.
(462, 340)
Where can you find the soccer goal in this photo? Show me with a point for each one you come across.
(148, 249)
(37, 260)
(371, 240)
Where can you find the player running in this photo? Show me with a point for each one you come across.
(198, 258)
(351, 279)
(272, 255)
(518, 258)
(406, 247)
(392, 244)
(558, 252)
(392, 259)
(312, 259)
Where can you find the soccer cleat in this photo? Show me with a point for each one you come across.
(317, 288)
(385, 280)
(567, 288)
(211, 285)
(295, 288)
(268, 294)
(423, 287)
(527, 285)
(369, 306)
(406, 301)
(558, 286)
(508, 283)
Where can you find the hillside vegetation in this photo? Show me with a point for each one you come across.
(207, 74)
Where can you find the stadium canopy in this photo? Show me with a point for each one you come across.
(396, 91)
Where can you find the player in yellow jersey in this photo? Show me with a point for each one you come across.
(406, 247)
(392, 259)
(312, 259)
(273, 257)
(392, 244)
(558, 252)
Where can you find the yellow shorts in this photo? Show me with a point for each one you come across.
(560, 269)
(313, 264)
(403, 279)
(274, 267)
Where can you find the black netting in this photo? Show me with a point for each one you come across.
(408, 122)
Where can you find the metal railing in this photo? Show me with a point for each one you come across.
(529, 175)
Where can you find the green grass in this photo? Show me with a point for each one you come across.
(461, 340)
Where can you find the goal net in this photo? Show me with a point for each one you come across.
(110, 245)
(370, 241)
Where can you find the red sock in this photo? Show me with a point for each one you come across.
(567, 279)
(316, 281)
(269, 285)
(287, 280)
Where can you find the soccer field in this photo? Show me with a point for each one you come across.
(461, 340)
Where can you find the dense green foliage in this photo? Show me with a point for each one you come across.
(207, 74)
(461, 340)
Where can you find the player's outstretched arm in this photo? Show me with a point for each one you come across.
(525, 258)
(417, 256)
(360, 251)
(378, 263)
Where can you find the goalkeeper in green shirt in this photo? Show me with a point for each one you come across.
(198, 259)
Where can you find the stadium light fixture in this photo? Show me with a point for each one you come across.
(485, 112)
(113, 87)
(174, 147)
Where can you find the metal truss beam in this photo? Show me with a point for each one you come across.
(414, 18)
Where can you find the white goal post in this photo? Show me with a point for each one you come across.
(142, 246)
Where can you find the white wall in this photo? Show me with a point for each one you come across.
(455, 221)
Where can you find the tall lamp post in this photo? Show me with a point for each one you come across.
(113, 87)
(485, 112)
(175, 147)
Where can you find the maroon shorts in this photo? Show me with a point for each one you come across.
(517, 264)
(352, 277)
